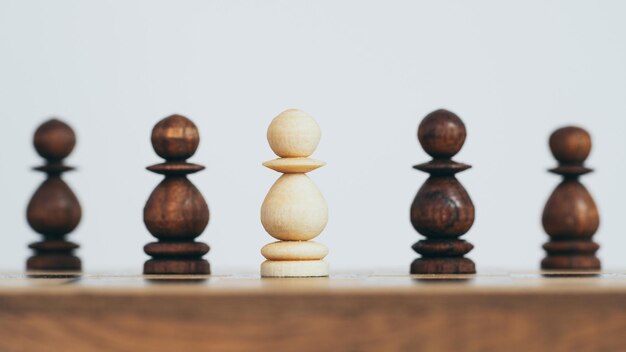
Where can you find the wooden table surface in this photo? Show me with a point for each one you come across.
(499, 311)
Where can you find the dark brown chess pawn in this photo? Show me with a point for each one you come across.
(442, 210)
(176, 212)
(570, 216)
(54, 211)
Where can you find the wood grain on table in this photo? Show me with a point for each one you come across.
(485, 312)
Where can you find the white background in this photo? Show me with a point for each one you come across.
(367, 71)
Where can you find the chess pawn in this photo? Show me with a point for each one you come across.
(442, 211)
(54, 210)
(294, 210)
(570, 216)
(176, 213)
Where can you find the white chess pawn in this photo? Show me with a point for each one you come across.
(294, 211)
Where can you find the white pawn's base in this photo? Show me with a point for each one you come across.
(294, 268)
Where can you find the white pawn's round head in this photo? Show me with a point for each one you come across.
(293, 134)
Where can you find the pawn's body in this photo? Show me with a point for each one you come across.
(442, 210)
(570, 216)
(176, 213)
(54, 210)
(294, 211)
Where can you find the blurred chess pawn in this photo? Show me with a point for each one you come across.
(176, 212)
(570, 216)
(54, 210)
(294, 210)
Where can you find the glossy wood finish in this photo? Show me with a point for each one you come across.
(570, 216)
(176, 213)
(442, 210)
(54, 210)
(497, 311)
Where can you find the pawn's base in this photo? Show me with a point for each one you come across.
(53, 262)
(177, 267)
(571, 262)
(53, 255)
(294, 268)
(453, 265)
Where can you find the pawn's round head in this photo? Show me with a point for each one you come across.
(293, 133)
(54, 140)
(175, 138)
(442, 134)
(570, 144)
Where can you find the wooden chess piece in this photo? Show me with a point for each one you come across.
(294, 210)
(54, 210)
(442, 210)
(570, 216)
(176, 213)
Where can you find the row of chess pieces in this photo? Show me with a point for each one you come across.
(295, 212)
